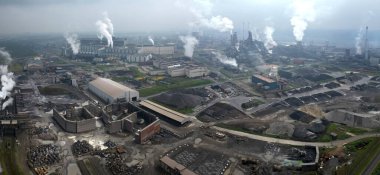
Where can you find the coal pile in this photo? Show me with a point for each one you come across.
(179, 100)
(117, 165)
(163, 136)
(332, 85)
(308, 99)
(334, 94)
(44, 155)
(321, 97)
(220, 111)
(110, 144)
(81, 148)
(294, 101)
(301, 116)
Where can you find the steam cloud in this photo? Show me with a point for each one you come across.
(360, 35)
(105, 28)
(5, 57)
(225, 60)
(74, 42)
(203, 9)
(303, 13)
(6, 80)
(189, 44)
(269, 42)
(151, 40)
(358, 41)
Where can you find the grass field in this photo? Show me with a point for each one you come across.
(185, 83)
(341, 132)
(362, 155)
(8, 152)
(377, 170)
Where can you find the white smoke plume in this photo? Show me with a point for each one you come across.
(74, 42)
(269, 42)
(358, 41)
(222, 24)
(7, 80)
(7, 103)
(303, 13)
(105, 29)
(5, 57)
(202, 10)
(237, 46)
(225, 60)
(189, 44)
(151, 40)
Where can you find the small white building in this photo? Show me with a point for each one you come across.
(110, 91)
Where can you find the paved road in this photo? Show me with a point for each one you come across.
(297, 143)
(372, 166)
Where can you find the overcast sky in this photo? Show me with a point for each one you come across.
(59, 16)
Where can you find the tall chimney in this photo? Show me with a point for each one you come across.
(366, 43)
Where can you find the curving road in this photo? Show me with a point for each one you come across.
(297, 143)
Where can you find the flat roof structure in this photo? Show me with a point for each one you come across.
(176, 116)
(176, 166)
(110, 87)
(268, 80)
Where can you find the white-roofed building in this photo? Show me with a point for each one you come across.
(110, 91)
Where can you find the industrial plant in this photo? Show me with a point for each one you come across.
(199, 87)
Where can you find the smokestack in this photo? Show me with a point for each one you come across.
(366, 43)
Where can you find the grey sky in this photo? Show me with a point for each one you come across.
(58, 16)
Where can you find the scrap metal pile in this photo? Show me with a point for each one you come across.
(81, 148)
(44, 155)
(117, 165)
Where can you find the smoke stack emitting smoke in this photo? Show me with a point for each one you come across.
(269, 41)
(74, 42)
(303, 13)
(360, 35)
(189, 44)
(7, 81)
(105, 28)
(151, 40)
(225, 60)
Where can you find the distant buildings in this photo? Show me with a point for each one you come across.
(180, 67)
(110, 91)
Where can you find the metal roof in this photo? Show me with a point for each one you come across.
(110, 87)
(181, 118)
(268, 80)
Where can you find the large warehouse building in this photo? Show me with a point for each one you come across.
(110, 91)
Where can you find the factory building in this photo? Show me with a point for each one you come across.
(110, 91)
(177, 71)
(77, 120)
(264, 82)
(138, 58)
(131, 118)
(197, 71)
(158, 50)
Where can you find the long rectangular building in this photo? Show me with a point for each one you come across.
(173, 116)
(110, 91)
